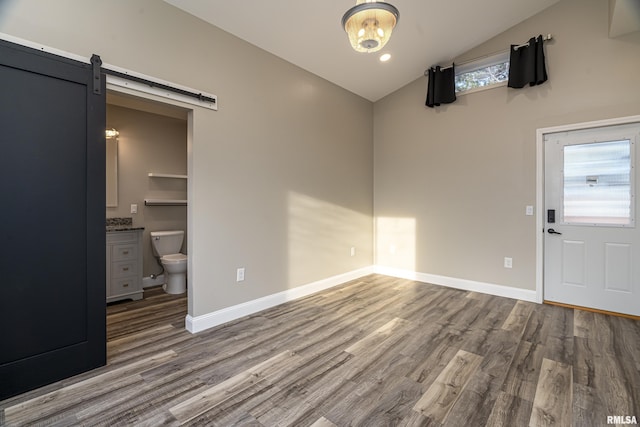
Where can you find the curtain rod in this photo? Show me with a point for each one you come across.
(468, 61)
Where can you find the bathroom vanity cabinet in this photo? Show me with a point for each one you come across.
(124, 265)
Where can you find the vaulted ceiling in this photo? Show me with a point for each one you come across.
(309, 35)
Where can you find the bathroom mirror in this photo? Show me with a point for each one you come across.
(112, 172)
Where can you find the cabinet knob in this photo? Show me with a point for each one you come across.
(126, 285)
(125, 252)
(125, 269)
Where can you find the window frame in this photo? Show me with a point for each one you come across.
(478, 64)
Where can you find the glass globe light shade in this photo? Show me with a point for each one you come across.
(369, 24)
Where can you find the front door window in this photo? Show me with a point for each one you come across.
(598, 186)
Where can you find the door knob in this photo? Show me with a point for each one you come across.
(552, 231)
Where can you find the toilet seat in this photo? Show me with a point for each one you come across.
(174, 258)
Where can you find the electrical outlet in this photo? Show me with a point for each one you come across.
(353, 251)
(529, 210)
(134, 208)
(508, 262)
(240, 274)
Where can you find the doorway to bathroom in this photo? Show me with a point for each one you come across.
(147, 192)
(62, 193)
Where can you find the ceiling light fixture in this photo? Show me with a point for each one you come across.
(369, 24)
(385, 57)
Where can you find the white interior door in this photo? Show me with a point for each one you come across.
(592, 243)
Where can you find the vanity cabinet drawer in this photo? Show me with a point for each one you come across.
(122, 252)
(124, 268)
(123, 286)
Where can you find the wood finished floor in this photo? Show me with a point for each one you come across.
(375, 351)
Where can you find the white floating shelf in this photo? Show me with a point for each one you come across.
(165, 202)
(166, 175)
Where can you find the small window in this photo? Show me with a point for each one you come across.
(483, 73)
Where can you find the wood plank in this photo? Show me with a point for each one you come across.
(554, 395)
(285, 396)
(415, 419)
(383, 396)
(382, 402)
(603, 335)
(473, 407)
(583, 323)
(559, 343)
(307, 404)
(133, 406)
(428, 305)
(588, 409)
(627, 333)
(440, 397)
(523, 374)
(235, 410)
(539, 324)
(509, 410)
(617, 385)
(479, 296)
(435, 360)
(481, 337)
(518, 317)
(245, 420)
(45, 406)
(585, 360)
(323, 422)
(202, 402)
(378, 336)
(137, 339)
(321, 382)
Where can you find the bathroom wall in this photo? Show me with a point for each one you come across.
(149, 142)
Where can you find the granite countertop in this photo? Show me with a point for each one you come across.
(114, 228)
(121, 224)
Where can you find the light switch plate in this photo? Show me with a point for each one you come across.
(134, 208)
(529, 210)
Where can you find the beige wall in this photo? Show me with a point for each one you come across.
(280, 177)
(452, 183)
(149, 143)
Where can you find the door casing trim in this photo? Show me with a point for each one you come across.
(540, 133)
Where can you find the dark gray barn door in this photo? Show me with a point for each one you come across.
(52, 209)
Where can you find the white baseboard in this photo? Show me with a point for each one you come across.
(209, 320)
(464, 284)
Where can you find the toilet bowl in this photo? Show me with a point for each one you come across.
(175, 273)
(166, 246)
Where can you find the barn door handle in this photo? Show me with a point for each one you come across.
(552, 231)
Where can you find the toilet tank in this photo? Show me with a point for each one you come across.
(166, 242)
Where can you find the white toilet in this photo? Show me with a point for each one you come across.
(166, 245)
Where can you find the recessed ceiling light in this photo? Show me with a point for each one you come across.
(385, 57)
